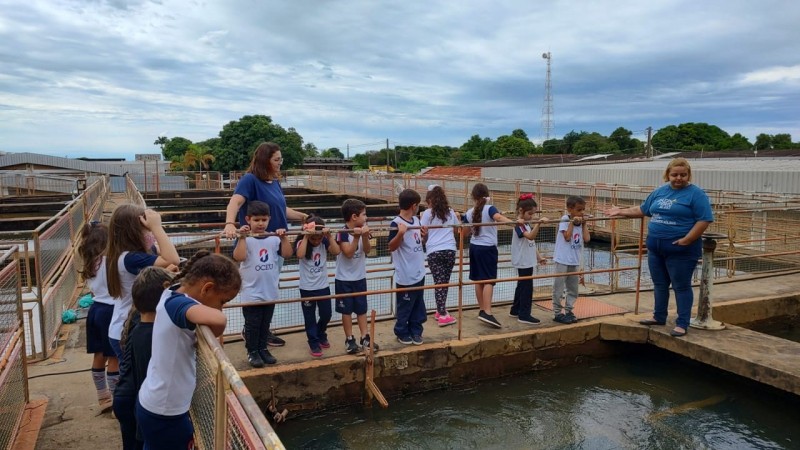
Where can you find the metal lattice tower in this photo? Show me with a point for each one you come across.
(548, 125)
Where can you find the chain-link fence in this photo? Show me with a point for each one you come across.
(223, 411)
(13, 382)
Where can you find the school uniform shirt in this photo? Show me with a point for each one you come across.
(129, 265)
(251, 188)
(409, 258)
(673, 212)
(488, 235)
(314, 270)
(523, 250)
(568, 252)
(439, 239)
(351, 269)
(169, 385)
(260, 269)
(99, 285)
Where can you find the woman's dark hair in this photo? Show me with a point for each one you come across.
(526, 202)
(125, 234)
(320, 225)
(221, 270)
(260, 165)
(480, 193)
(94, 240)
(437, 202)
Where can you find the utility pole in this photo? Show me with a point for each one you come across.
(387, 155)
(648, 148)
(348, 151)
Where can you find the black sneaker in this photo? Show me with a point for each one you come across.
(513, 313)
(488, 318)
(417, 339)
(365, 344)
(255, 360)
(351, 346)
(530, 320)
(267, 357)
(274, 341)
(405, 340)
(561, 318)
(571, 317)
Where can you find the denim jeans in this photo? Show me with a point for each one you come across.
(411, 312)
(316, 329)
(672, 264)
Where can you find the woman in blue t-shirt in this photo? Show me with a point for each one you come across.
(262, 183)
(679, 214)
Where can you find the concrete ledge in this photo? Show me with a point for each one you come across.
(756, 309)
(338, 381)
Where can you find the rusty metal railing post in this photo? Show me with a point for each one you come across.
(703, 320)
(460, 277)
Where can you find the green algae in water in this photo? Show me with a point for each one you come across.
(647, 400)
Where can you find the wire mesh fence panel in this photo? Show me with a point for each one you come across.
(56, 299)
(204, 402)
(240, 434)
(52, 245)
(12, 394)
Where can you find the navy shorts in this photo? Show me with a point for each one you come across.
(482, 262)
(355, 304)
(97, 323)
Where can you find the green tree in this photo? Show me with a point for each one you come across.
(763, 142)
(161, 141)
(413, 165)
(782, 141)
(483, 148)
(176, 146)
(520, 133)
(238, 140)
(690, 136)
(594, 143)
(332, 152)
(512, 146)
(571, 138)
(737, 142)
(310, 151)
(554, 147)
(625, 142)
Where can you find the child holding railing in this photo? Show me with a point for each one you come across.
(483, 249)
(313, 248)
(208, 281)
(524, 257)
(440, 247)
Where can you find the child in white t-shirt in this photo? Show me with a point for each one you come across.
(572, 235)
(524, 257)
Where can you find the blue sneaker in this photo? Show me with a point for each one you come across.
(416, 340)
(405, 340)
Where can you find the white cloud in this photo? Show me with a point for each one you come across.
(349, 71)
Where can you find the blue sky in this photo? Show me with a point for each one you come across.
(107, 77)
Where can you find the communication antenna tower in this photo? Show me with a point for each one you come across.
(547, 109)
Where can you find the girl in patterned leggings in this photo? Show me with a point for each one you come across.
(440, 247)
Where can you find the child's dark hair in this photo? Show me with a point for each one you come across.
(408, 198)
(437, 202)
(480, 194)
(94, 239)
(257, 208)
(148, 287)
(320, 225)
(352, 206)
(575, 200)
(526, 202)
(206, 265)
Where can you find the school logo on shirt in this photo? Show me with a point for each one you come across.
(416, 238)
(317, 259)
(576, 240)
(263, 256)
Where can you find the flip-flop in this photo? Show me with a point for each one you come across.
(674, 332)
(651, 322)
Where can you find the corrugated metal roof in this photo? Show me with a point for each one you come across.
(15, 159)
